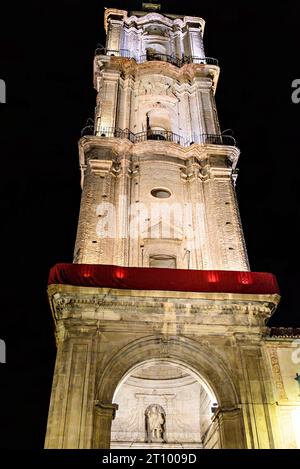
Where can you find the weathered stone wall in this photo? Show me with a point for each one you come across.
(103, 334)
(283, 357)
(122, 223)
(183, 97)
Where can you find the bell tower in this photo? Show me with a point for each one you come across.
(159, 320)
(158, 172)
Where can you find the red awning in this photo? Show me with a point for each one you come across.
(144, 278)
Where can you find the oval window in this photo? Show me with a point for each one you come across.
(161, 193)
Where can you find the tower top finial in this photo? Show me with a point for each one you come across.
(151, 6)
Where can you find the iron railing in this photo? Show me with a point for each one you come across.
(108, 132)
(178, 62)
(158, 135)
(114, 53)
(215, 139)
(200, 60)
(160, 57)
(162, 135)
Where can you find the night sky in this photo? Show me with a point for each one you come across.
(46, 59)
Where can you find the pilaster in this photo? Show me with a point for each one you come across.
(104, 414)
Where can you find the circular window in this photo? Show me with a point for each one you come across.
(161, 193)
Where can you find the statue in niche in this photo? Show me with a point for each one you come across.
(155, 424)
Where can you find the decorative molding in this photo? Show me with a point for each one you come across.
(204, 152)
(113, 309)
(105, 409)
(285, 332)
(277, 374)
(128, 67)
(112, 11)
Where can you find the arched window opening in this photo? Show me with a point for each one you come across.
(162, 404)
(158, 125)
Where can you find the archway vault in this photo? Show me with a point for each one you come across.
(198, 358)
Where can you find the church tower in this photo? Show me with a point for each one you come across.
(158, 173)
(160, 324)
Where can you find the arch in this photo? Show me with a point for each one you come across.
(159, 119)
(182, 407)
(198, 358)
(154, 49)
(150, 362)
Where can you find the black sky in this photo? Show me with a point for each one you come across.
(46, 56)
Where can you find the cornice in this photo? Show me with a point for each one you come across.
(154, 148)
(148, 18)
(112, 11)
(129, 67)
(186, 309)
(163, 19)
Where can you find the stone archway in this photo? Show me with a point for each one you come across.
(184, 408)
(195, 357)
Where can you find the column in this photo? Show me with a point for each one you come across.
(114, 35)
(196, 42)
(224, 226)
(207, 109)
(232, 433)
(122, 202)
(103, 416)
(109, 101)
(69, 406)
(228, 219)
(255, 398)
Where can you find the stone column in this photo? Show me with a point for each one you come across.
(196, 42)
(122, 201)
(178, 43)
(185, 115)
(89, 247)
(69, 412)
(114, 35)
(215, 261)
(224, 225)
(232, 434)
(199, 240)
(103, 416)
(207, 108)
(128, 115)
(109, 102)
(255, 397)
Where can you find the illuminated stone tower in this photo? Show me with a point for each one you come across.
(160, 324)
(157, 135)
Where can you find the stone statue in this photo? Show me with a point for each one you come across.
(155, 424)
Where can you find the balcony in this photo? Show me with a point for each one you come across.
(158, 135)
(178, 62)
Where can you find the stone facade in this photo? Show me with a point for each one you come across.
(103, 334)
(200, 216)
(158, 183)
(175, 103)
